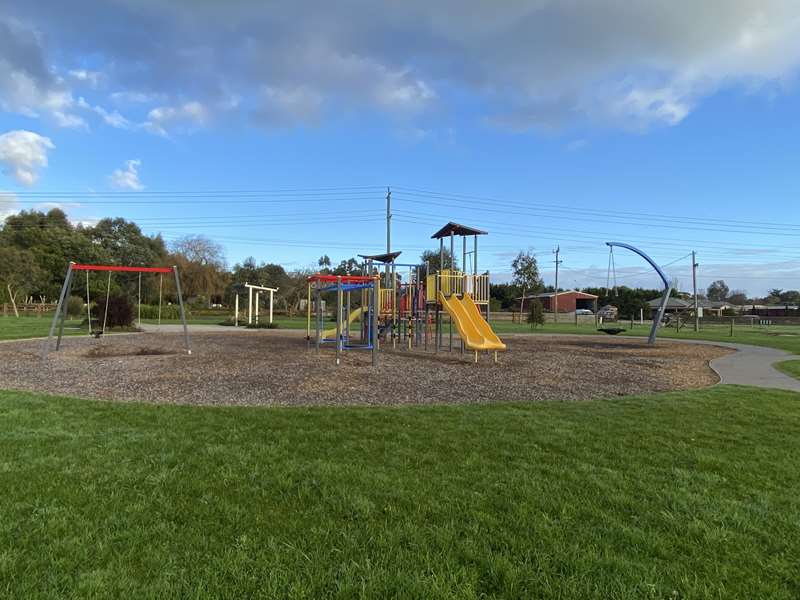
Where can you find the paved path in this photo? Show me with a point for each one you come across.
(753, 365)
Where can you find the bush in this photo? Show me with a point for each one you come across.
(120, 312)
(75, 307)
(169, 312)
(535, 313)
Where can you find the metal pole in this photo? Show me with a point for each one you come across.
(186, 340)
(318, 317)
(388, 229)
(374, 325)
(236, 311)
(139, 308)
(249, 305)
(308, 313)
(64, 312)
(659, 315)
(338, 318)
(694, 292)
(438, 317)
(271, 295)
(58, 310)
(88, 308)
(475, 255)
(450, 283)
(258, 301)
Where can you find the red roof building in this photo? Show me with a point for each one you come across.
(568, 301)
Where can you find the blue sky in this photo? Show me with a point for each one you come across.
(569, 124)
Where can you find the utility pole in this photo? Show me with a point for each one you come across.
(555, 296)
(388, 229)
(694, 292)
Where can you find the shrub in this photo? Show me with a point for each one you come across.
(535, 313)
(75, 307)
(169, 312)
(120, 312)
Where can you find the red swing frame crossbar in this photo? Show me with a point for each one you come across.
(77, 267)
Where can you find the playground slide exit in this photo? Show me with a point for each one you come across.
(355, 314)
(476, 333)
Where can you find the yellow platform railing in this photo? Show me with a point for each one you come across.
(455, 282)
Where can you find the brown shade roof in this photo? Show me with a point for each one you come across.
(456, 229)
(383, 258)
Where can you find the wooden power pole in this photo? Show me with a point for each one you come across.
(555, 296)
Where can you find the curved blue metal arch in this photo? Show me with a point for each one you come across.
(644, 256)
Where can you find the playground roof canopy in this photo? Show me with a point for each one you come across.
(457, 229)
(386, 257)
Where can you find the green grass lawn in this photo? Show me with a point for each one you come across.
(682, 495)
(12, 328)
(790, 367)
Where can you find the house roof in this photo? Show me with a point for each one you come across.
(671, 303)
(457, 229)
(577, 294)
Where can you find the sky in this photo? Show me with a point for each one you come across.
(276, 128)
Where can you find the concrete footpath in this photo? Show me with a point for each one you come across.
(753, 365)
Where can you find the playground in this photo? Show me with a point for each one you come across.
(275, 368)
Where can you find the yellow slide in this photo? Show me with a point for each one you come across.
(483, 326)
(472, 327)
(331, 333)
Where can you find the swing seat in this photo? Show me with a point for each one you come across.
(97, 333)
(612, 330)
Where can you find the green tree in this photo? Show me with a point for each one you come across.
(125, 244)
(431, 259)
(53, 242)
(19, 274)
(738, 297)
(525, 273)
(324, 264)
(536, 313)
(718, 291)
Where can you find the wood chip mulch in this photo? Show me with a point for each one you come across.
(273, 368)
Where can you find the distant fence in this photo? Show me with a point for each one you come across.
(30, 308)
(549, 317)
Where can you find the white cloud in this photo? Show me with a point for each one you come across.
(92, 78)
(112, 118)
(525, 64)
(23, 154)
(127, 178)
(186, 116)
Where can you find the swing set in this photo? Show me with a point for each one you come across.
(60, 315)
(612, 272)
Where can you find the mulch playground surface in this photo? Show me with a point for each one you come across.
(275, 368)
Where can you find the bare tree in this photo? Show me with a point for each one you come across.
(201, 262)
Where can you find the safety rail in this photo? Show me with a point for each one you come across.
(386, 302)
(455, 282)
